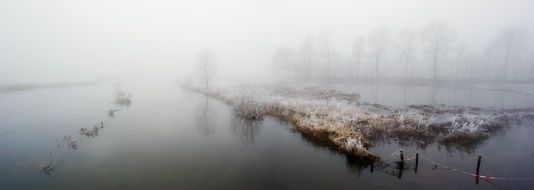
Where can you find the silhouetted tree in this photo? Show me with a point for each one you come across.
(206, 66)
(509, 44)
(307, 53)
(328, 53)
(283, 61)
(406, 43)
(358, 53)
(378, 41)
(438, 37)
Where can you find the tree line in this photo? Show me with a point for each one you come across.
(435, 52)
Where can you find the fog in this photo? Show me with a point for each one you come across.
(62, 40)
(266, 94)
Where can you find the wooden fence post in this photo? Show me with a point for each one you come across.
(401, 163)
(416, 161)
(478, 168)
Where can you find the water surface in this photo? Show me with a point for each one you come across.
(168, 138)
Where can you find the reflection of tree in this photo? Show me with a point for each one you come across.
(404, 94)
(433, 95)
(206, 120)
(245, 129)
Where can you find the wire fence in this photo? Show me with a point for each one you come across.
(398, 155)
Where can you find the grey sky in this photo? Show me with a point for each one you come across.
(65, 40)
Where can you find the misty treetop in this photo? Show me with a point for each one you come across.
(435, 52)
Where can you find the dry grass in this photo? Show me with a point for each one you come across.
(335, 118)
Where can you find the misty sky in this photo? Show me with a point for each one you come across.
(65, 40)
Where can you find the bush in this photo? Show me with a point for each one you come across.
(247, 106)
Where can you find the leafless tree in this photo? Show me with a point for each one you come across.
(406, 42)
(358, 53)
(509, 44)
(283, 61)
(530, 67)
(307, 53)
(378, 41)
(460, 56)
(206, 66)
(438, 36)
(328, 53)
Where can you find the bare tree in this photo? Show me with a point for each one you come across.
(406, 43)
(460, 55)
(438, 36)
(358, 53)
(530, 67)
(328, 53)
(206, 66)
(307, 52)
(283, 60)
(378, 41)
(509, 45)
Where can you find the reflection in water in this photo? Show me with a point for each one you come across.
(354, 164)
(246, 129)
(469, 95)
(206, 119)
(120, 97)
(278, 156)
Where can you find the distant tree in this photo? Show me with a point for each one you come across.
(328, 53)
(438, 37)
(206, 66)
(530, 67)
(509, 44)
(358, 53)
(307, 53)
(283, 61)
(378, 41)
(460, 56)
(406, 43)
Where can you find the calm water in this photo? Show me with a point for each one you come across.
(474, 95)
(173, 139)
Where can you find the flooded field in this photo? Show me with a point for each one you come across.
(486, 95)
(145, 134)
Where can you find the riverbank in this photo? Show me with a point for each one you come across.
(339, 119)
(22, 87)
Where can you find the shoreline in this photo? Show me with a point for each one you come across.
(352, 127)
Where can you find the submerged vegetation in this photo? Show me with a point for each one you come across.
(247, 106)
(49, 167)
(92, 132)
(339, 119)
(121, 97)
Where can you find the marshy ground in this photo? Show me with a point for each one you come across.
(169, 137)
(339, 118)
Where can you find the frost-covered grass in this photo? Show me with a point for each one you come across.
(121, 97)
(338, 118)
(247, 106)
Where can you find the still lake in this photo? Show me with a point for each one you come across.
(169, 138)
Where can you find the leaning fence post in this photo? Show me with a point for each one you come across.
(478, 168)
(416, 161)
(401, 163)
(401, 158)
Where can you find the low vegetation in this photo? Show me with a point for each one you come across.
(338, 119)
(121, 97)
